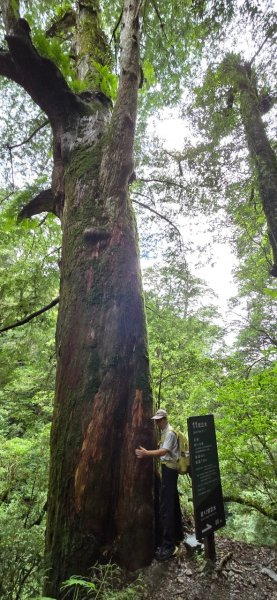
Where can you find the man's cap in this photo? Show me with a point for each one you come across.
(160, 414)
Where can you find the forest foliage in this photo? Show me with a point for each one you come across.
(212, 178)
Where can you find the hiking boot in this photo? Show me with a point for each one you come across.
(166, 553)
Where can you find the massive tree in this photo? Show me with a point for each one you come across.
(100, 499)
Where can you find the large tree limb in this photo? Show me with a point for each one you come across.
(43, 202)
(39, 76)
(8, 68)
(31, 316)
(117, 166)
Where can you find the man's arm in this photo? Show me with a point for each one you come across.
(142, 452)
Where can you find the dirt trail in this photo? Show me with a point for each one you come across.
(242, 572)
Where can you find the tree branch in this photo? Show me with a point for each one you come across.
(10, 13)
(24, 577)
(268, 451)
(267, 336)
(116, 26)
(2, 200)
(159, 18)
(116, 168)
(251, 504)
(43, 202)
(40, 517)
(267, 37)
(39, 76)
(169, 182)
(31, 316)
(159, 215)
(67, 20)
(28, 139)
(173, 374)
(154, 311)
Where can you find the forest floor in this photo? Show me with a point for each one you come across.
(241, 572)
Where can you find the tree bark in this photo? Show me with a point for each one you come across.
(101, 501)
(101, 498)
(262, 154)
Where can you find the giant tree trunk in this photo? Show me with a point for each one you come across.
(100, 498)
(100, 495)
(100, 502)
(262, 154)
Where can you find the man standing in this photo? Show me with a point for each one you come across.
(170, 511)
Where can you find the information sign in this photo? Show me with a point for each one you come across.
(206, 485)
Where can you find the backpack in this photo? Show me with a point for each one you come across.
(183, 463)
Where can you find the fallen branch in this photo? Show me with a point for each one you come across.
(223, 562)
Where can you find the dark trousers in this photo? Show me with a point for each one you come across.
(170, 511)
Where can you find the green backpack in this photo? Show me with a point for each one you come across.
(183, 462)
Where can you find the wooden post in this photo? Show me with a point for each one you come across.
(209, 547)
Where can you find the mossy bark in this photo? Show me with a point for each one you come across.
(91, 43)
(101, 498)
(262, 154)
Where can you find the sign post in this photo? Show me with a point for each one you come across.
(206, 485)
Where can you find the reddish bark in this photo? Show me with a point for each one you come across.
(101, 501)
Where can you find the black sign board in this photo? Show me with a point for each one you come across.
(205, 475)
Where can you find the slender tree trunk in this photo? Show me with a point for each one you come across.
(262, 154)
